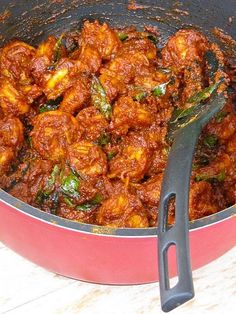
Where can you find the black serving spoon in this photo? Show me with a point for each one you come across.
(175, 186)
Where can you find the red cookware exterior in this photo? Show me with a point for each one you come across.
(92, 253)
(104, 255)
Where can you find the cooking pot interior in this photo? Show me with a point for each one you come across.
(32, 21)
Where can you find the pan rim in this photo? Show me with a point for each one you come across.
(96, 230)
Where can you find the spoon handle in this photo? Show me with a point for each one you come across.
(176, 186)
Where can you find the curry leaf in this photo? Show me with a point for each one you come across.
(29, 141)
(204, 177)
(164, 70)
(51, 104)
(210, 140)
(97, 199)
(122, 36)
(47, 192)
(110, 155)
(78, 175)
(140, 96)
(57, 52)
(54, 174)
(103, 139)
(91, 204)
(41, 196)
(152, 38)
(99, 99)
(160, 90)
(181, 113)
(197, 99)
(70, 185)
(68, 202)
(204, 94)
(195, 166)
(220, 116)
(57, 49)
(84, 207)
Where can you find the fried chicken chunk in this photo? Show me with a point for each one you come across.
(122, 211)
(11, 140)
(87, 158)
(53, 131)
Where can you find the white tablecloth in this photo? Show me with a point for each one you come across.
(27, 288)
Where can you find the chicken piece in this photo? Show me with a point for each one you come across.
(76, 96)
(32, 178)
(127, 114)
(197, 74)
(43, 59)
(11, 139)
(87, 158)
(133, 160)
(7, 156)
(11, 133)
(112, 84)
(218, 169)
(48, 55)
(184, 48)
(92, 124)
(154, 77)
(230, 192)
(162, 84)
(131, 60)
(12, 101)
(102, 37)
(134, 45)
(79, 193)
(15, 58)
(31, 92)
(60, 79)
(231, 144)
(126, 66)
(82, 208)
(156, 133)
(193, 77)
(223, 130)
(220, 74)
(203, 200)
(88, 216)
(184, 52)
(53, 131)
(122, 211)
(149, 192)
(158, 160)
(47, 49)
(88, 59)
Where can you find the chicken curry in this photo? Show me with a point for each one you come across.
(85, 119)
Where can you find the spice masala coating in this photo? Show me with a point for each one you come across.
(84, 120)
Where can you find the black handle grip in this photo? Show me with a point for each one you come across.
(176, 183)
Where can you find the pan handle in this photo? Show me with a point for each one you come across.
(175, 186)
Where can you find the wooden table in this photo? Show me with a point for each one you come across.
(27, 288)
